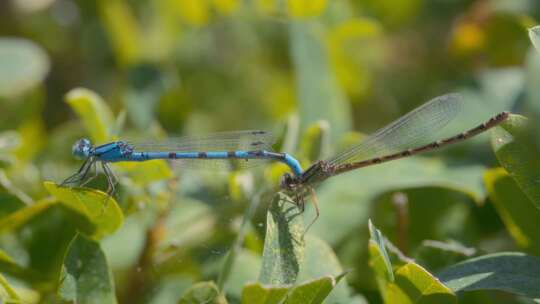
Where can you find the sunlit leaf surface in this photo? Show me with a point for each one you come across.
(98, 208)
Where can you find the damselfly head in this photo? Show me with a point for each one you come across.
(82, 148)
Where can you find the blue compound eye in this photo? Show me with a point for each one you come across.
(81, 149)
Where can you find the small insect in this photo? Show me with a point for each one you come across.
(411, 134)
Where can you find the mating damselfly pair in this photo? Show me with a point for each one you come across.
(413, 133)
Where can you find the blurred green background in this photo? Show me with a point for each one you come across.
(319, 74)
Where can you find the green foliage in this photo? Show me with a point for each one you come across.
(513, 272)
(519, 156)
(409, 283)
(450, 224)
(101, 210)
(85, 276)
(24, 66)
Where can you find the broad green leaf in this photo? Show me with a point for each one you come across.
(317, 250)
(436, 255)
(355, 191)
(23, 215)
(257, 293)
(379, 260)
(534, 35)
(410, 283)
(85, 276)
(101, 210)
(23, 66)
(513, 272)
(146, 172)
(94, 113)
(203, 292)
(306, 8)
(515, 209)
(319, 95)
(12, 296)
(310, 292)
(414, 284)
(283, 244)
(517, 153)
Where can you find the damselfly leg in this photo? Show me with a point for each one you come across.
(80, 175)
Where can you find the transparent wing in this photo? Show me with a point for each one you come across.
(414, 129)
(224, 141)
(249, 140)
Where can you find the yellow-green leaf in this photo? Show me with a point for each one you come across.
(516, 151)
(93, 111)
(146, 172)
(257, 293)
(306, 8)
(98, 208)
(122, 29)
(13, 297)
(414, 284)
(518, 213)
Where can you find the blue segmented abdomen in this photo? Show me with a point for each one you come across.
(247, 155)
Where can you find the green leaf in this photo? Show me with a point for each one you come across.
(534, 35)
(515, 209)
(85, 276)
(203, 292)
(23, 66)
(354, 191)
(13, 297)
(317, 250)
(23, 215)
(98, 208)
(513, 272)
(93, 111)
(257, 293)
(306, 8)
(310, 292)
(283, 245)
(319, 95)
(410, 283)
(516, 152)
(146, 172)
(379, 259)
(414, 284)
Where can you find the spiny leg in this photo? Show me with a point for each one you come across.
(111, 180)
(94, 166)
(77, 177)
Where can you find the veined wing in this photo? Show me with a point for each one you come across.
(417, 128)
(248, 140)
